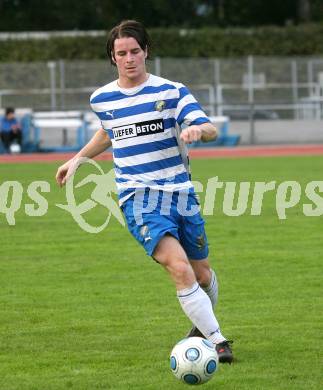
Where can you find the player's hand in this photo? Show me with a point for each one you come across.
(65, 171)
(191, 134)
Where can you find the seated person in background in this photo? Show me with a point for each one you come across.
(10, 129)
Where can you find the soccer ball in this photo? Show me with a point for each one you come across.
(15, 148)
(194, 360)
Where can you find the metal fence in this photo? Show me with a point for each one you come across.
(249, 88)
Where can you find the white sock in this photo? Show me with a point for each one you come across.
(212, 289)
(198, 308)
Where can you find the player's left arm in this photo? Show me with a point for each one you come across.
(204, 132)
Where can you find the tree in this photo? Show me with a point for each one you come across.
(304, 10)
(20, 15)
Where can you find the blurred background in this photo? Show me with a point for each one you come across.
(255, 66)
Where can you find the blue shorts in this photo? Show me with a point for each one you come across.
(156, 221)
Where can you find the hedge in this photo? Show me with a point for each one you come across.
(207, 42)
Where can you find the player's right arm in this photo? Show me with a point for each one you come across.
(97, 144)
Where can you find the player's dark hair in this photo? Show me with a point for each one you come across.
(129, 29)
(9, 110)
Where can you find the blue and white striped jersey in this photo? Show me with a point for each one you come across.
(144, 125)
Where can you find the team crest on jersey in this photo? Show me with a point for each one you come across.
(160, 105)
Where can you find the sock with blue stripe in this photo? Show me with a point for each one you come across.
(198, 308)
(212, 289)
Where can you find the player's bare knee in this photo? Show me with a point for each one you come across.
(182, 271)
(181, 267)
(203, 276)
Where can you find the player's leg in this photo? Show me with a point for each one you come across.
(194, 241)
(206, 278)
(193, 299)
(170, 254)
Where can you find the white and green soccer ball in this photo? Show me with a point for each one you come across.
(194, 360)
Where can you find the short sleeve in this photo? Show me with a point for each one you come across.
(188, 110)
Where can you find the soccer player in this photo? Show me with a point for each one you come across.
(144, 117)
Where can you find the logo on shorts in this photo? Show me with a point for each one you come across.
(200, 242)
(160, 105)
(137, 129)
(144, 232)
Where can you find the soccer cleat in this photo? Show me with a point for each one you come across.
(224, 351)
(195, 332)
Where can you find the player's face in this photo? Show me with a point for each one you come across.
(130, 61)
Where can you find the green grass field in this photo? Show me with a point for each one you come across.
(92, 311)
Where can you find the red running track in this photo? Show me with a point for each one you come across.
(236, 152)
